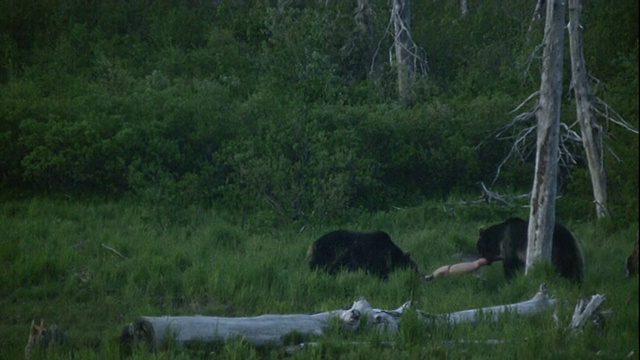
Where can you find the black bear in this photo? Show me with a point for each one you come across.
(507, 241)
(372, 252)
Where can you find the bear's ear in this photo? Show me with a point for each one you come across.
(482, 230)
(407, 254)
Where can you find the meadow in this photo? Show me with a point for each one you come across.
(93, 266)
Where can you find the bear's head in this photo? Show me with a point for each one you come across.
(408, 262)
(488, 244)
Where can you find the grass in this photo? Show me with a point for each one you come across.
(57, 265)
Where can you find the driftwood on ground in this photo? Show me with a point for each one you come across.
(586, 310)
(539, 303)
(155, 331)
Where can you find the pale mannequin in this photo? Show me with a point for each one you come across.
(464, 267)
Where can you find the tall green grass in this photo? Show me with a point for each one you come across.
(58, 264)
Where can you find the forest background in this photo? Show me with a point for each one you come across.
(210, 142)
(286, 109)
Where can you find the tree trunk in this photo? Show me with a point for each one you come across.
(405, 49)
(543, 196)
(537, 14)
(364, 19)
(591, 131)
(365, 26)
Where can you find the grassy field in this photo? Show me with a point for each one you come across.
(58, 264)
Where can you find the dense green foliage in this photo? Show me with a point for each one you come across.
(210, 142)
(58, 264)
(286, 106)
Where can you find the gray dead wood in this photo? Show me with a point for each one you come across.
(537, 14)
(539, 303)
(404, 54)
(586, 310)
(154, 332)
(543, 195)
(113, 250)
(405, 49)
(490, 196)
(592, 132)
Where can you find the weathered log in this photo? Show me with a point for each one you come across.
(586, 310)
(262, 330)
(156, 331)
(539, 303)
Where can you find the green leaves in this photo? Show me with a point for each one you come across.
(282, 109)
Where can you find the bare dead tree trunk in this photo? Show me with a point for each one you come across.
(365, 26)
(591, 131)
(543, 196)
(364, 18)
(405, 48)
(537, 14)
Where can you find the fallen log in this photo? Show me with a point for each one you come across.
(586, 310)
(153, 332)
(539, 303)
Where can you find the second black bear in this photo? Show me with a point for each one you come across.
(507, 241)
(631, 265)
(372, 252)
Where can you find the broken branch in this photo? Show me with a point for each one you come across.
(113, 250)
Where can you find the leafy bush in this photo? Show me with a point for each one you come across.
(286, 109)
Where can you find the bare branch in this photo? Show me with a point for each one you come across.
(375, 53)
(585, 310)
(533, 95)
(603, 109)
(524, 117)
(533, 56)
(413, 49)
(520, 141)
(614, 154)
(524, 141)
(537, 14)
(113, 250)
(490, 196)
